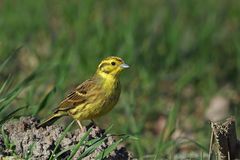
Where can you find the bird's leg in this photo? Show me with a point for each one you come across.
(80, 125)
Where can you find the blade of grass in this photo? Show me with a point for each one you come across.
(5, 84)
(162, 144)
(202, 157)
(81, 141)
(60, 139)
(63, 151)
(8, 59)
(93, 141)
(111, 148)
(73, 148)
(171, 124)
(30, 151)
(90, 149)
(5, 101)
(195, 143)
(11, 114)
(6, 140)
(19, 86)
(162, 150)
(45, 101)
(108, 129)
(133, 125)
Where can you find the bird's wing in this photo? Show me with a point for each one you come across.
(77, 96)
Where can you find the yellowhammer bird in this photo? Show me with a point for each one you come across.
(94, 97)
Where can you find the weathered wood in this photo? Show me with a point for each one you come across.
(225, 143)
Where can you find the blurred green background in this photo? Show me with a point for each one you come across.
(181, 53)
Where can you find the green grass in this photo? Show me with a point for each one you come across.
(170, 46)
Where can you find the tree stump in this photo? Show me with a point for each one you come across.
(224, 140)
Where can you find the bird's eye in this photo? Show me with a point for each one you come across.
(113, 63)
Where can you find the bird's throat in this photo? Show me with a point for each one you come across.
(108, 81)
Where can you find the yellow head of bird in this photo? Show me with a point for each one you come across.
(112, 66)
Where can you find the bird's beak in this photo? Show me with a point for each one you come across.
(124, 65)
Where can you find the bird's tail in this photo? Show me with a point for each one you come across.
(51, 120)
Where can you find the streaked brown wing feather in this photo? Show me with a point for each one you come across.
(77, 96)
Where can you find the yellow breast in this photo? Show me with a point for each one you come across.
(109, 93)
